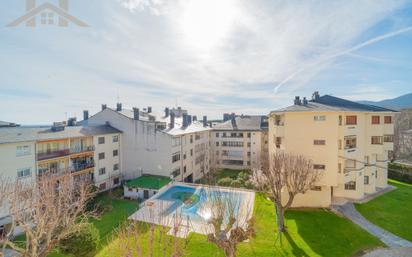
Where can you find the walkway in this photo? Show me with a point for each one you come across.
(348, 210)
(397, 252)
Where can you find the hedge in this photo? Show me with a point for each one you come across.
(400, 172)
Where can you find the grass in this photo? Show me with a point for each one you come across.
(110, 220)
(149, 182)
(391, 211)
(311, 233)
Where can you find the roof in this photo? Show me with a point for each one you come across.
(24, 134)
(244, 122)
(149, 182)
(329, 103)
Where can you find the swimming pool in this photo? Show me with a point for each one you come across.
(196, 203)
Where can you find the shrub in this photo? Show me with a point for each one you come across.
(225, 182)
(400, 173)
(236, 183)
(244, 176)
(82, 243)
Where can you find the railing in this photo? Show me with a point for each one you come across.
(80, 167)
(53, 171)
(52, 154)
(82, 149)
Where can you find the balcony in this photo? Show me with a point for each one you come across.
(77, 167)
(52, 154)
(51, 171)
(82, 149)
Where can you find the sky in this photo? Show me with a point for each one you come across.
(209, 56)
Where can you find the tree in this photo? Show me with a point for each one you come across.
(47, 209)
(291, 173)
(230, 222)
(82, 243)
(402, 142)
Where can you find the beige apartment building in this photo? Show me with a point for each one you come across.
(239, 142)
(347, 141)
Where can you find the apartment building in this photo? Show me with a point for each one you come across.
(347, 141)
(239, 142)
(171, 144)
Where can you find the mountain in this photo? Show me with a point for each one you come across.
(401, 102)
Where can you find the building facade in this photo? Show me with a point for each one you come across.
(239, 142)
(350, 143)
(172, 144)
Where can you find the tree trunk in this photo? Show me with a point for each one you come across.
(280, 216)
(230, 251)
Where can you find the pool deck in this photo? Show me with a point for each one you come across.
(156, 211)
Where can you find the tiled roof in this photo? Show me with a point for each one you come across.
(24, 134)
(244, 122)
(331, 103)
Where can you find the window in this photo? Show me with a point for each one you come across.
(116, 181)
(217, 143)
(191, 138)
(388, 138)
(376, 140)
(184, 169)
(197, 137)
(366, 180)
(22, 173)
(316, 188)
(102, 171)
(102, 186)
(224, 134)
(350, 142)
(388, 119)
(175, 157)
(249, 144)
(351, 164)
(248, 154)
(232, 162)
(130, 189)
(319, 166)
(339, 167)
(350, 185)
(340, 144)
(115, 153)
(176, 141)
(101, 156)
(101, 140)
(278, 142)
(376, 120)
(319, 118)
(232, 144)
(217, 134)
(47, 18)
(116, 166)
(319, 142)
(248, 135)
(191, 152)
(340, 120)
(176, 172)
(351, 120)
(23, 150)
(115, 139)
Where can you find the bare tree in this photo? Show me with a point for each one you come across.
(47, 210)
(402, 145)
(230, 222)
(288, 173)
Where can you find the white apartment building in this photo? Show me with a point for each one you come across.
(239, 142)
(173, 144)
(347, 141)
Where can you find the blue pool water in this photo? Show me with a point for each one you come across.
(196, 211)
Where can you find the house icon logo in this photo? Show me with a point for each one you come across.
(47, 14)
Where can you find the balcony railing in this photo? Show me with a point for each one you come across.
(52, 154)
(52, 171)
(82, 149)
(82, 166)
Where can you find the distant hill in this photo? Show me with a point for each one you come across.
(401, 102)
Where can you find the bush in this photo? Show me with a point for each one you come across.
(82, 243)
(225, 182)
(400, 172)
(243, 176)
(236, 183)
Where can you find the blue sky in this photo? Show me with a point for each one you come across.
(208, 56)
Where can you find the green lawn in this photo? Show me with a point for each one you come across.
(119, 212)
(391, 211)
(311, 233)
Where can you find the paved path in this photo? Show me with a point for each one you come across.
(397, 252)
(349, 211)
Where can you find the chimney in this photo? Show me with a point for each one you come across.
(167, 112)
(136, 113)
(104, 107)
(85, 115)
(305, 101)
(172, 120)
(194, 118)
(185, 119)
(233, 116)
(119, 107)
(297, 101)
(315, 96)
(71, 122)
(204, 121)
(226, 116)
(149, 109)
(189, 119)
